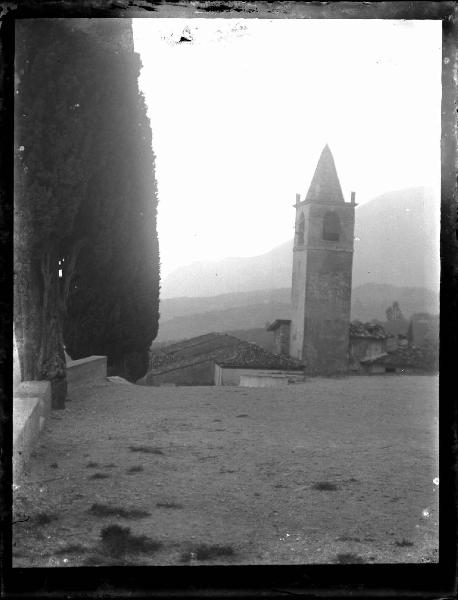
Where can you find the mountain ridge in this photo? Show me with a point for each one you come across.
(188, 317)
(396, 242)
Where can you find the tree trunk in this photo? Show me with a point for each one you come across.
(27, 313)
(51, 360)
(38, 323)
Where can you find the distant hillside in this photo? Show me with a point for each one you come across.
(181, 307)
(187, 317)
(371, 300)
(267, 271)
(240, 317)
(396, 243)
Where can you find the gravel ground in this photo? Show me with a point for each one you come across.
(328, 471)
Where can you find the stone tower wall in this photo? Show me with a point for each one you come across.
(327, 311)
(321, 290)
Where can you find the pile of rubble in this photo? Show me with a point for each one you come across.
(373, 330)
(412, 358)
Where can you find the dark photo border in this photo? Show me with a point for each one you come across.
(330, 581)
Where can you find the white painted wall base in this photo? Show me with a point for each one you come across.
(31, 407)
(233, 376)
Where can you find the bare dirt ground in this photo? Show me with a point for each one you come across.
(329, 471)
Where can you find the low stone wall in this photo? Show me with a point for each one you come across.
(264, 380)
(31, 407)
(32, 402)
(233, 376)
(85, 370)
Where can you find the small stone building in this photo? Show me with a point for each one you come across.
(407, 360)
(281, 330)
(214, 359)
(367, 340)
(253, 365)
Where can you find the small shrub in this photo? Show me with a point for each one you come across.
(168, 505)
(206, 552)
(71, 549)
(99, 476)
(44, 518)
(348, 538)
(54, 466)
(241, 416)
(102, 510)
(118, 541)
(136, 469)
(92, 465)
(348, 558)
(325, 486)
(146, 449)
(403, 543)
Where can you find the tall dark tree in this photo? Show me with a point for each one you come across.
(113, 306)
(63, 142)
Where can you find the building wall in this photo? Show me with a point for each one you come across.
(321, 290)
(364, 348)
(377, 369)
(281, 337)
(327, 308)
(228, 376)
(296, 343)
(16, 365)
(197, 374)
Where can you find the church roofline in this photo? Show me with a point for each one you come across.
(277, 323)
(325, 185)
(327, 202)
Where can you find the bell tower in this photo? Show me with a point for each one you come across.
(322, 272)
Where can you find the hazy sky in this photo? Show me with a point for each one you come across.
(240, 115)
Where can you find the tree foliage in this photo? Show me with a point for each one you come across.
(113, 306)
(85, 196)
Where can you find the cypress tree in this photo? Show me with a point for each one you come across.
(70, 133)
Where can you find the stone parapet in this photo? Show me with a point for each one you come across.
(84, 371)
(31, 407)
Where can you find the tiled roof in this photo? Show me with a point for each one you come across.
(367, 330)
(225, 350)
(193, 350)
(252, 356)
(410, 357)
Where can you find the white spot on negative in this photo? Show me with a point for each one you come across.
(436, 480)
(425, 513)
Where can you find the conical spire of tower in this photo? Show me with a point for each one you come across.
(325, 186)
